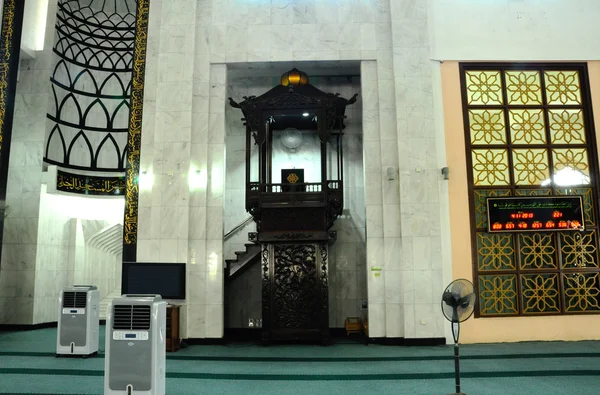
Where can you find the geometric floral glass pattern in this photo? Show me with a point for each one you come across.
(562, 87)
(527, 127)
(533, 192)
(530, 166)
(495, 252)
(588, 203)
(567, 126)
(498, 295)
(487, 127)
(581, 292)
(481, 204)
(490, 167)
(540, 293)
(529, 132)
(484, 87)
(537, 251)
(573, 158)
(523, 87)
(578, 250)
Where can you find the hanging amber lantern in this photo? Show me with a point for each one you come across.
(294, 77)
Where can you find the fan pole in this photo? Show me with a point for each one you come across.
(455, 334)
(456, 368)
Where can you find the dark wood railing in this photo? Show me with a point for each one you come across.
(307, 187)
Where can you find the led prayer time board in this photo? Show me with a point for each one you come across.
(535, 214)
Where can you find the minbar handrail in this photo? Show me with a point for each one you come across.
(237, 228)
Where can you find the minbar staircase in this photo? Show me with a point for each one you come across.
(243, 260)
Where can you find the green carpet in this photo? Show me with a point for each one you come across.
(28, 366)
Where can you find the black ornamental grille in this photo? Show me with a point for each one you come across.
(73, 299)
(131, 317)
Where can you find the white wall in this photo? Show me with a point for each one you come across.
(54, 267)
(95, 257)
(34, 26)
(514, 29)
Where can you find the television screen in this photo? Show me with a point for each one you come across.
(164, 279)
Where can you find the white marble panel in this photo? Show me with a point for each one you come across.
(169, 222)
(326, 37)
(422, 252)
(368, 37)
(168, 250)
(415, 219)
(199, 129)
(383, 36)
(198, 216)
(346, 256)
(391, 193)
(148, 250)
(260, 40)
(374, 223)
(214, 223)
(202, 41)
(304, 12)
(182, 226)
(350, 37)
(214, 320)
(216, 126)
(173, 96)
(392, 253)
(393, 286)
(8, 283)
(196, 327)
(391, 221)
(195, 286)
(197, 255)
(346, 285)
(182, 249)
(216, 175)
(394, 320)
(326, 11)
(281, 12)
(425, 319)
(377, 319)
(423, 284)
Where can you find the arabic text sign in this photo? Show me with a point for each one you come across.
(535, 213)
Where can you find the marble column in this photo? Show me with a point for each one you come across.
(20, 254)
(421, 264)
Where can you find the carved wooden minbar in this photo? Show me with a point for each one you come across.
(294, 216)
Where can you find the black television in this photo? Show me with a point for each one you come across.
(164, 279)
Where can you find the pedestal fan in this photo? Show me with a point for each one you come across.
(458, 303)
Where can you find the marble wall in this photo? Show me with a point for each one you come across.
(19, 245)
(192, 43)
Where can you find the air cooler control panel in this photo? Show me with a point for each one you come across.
(130, 335)
(73, 310)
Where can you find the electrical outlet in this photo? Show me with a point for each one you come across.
(259, 322)
(251, 323)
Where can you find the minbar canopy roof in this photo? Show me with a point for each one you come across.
(291, 97)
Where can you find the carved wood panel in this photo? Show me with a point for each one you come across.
(295, 294)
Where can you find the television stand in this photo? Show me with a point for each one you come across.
(173, 338)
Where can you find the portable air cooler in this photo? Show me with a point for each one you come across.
(78, 321)
(135, 346)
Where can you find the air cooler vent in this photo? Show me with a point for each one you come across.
(130, 317)
(73, 299)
